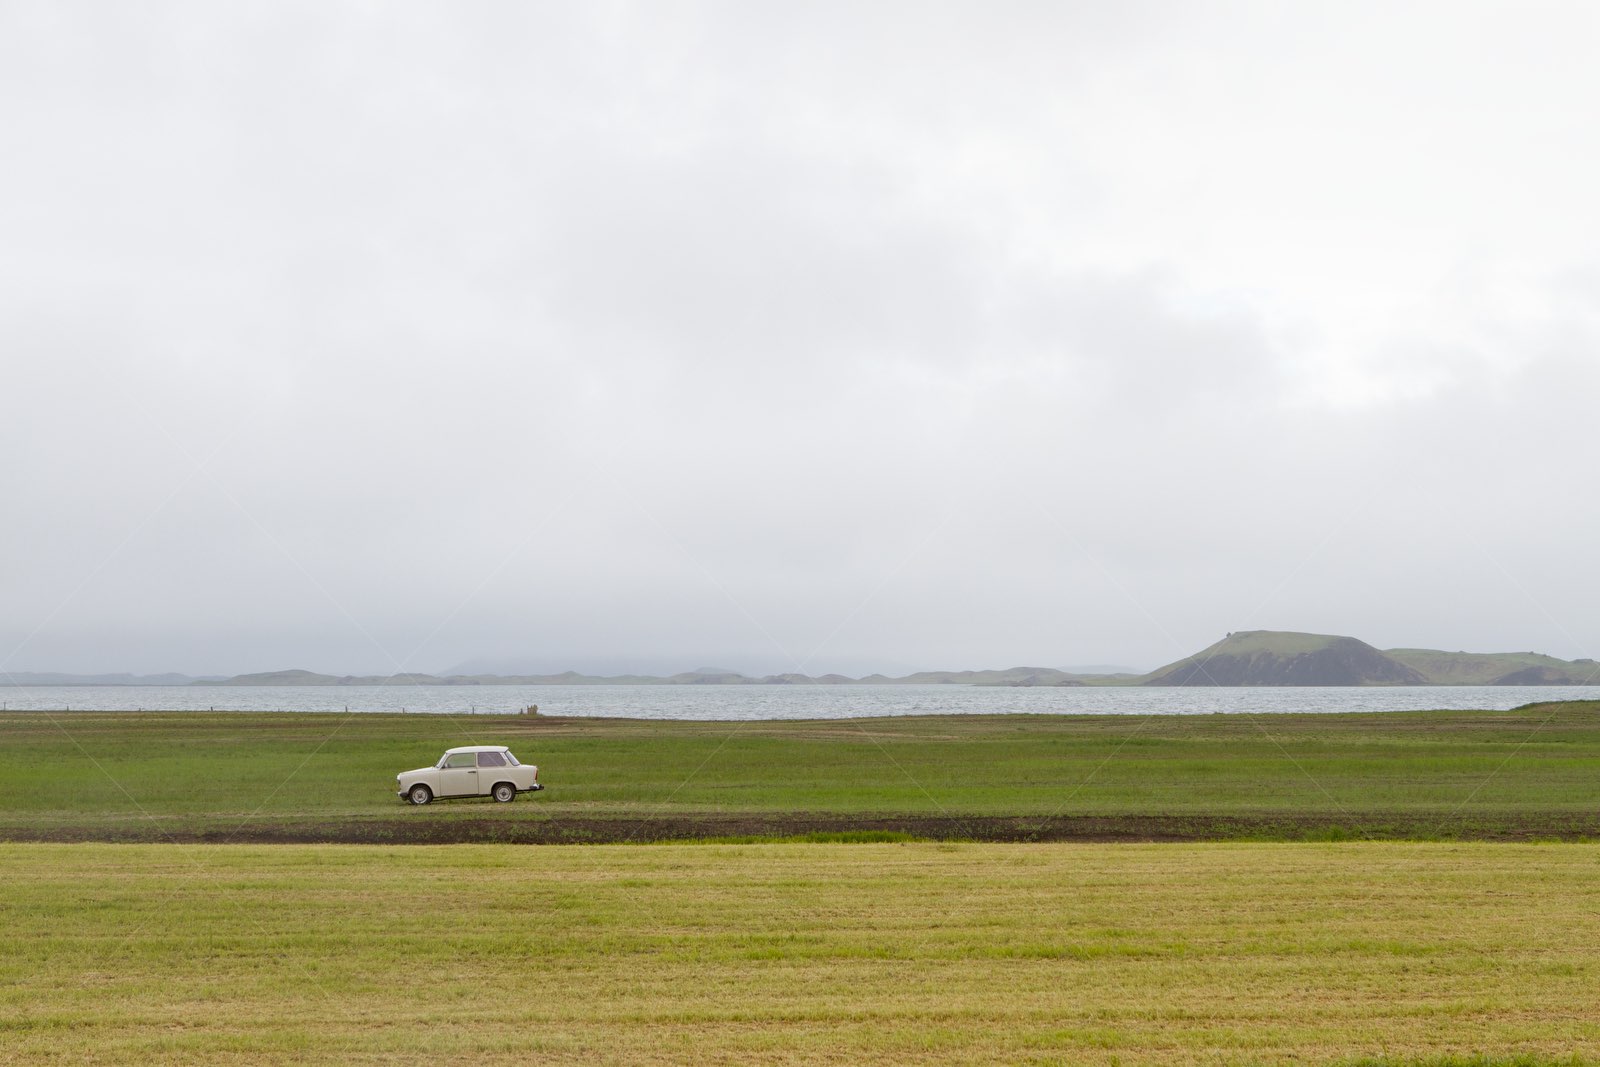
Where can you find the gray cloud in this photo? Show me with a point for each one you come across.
(923, 335)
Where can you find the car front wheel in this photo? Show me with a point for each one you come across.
(504, 793)
(420, 795)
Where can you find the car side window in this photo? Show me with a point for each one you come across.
(459, 759)
(491, 759)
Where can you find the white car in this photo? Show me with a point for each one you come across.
(473, 771)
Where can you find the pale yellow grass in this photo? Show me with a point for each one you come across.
(1160, 954)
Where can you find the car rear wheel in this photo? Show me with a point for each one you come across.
(504, 793)
(420, 795)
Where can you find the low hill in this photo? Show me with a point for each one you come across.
(299, 677)
(1006, 676)
(290, 677)
(1271, 657)
(54, 678)
(1496, 668)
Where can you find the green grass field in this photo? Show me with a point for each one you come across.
(154, 773)
(1363, 952)
(712, 954)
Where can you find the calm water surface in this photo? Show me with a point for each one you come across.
(775, 701)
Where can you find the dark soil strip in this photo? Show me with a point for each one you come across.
(424, 827)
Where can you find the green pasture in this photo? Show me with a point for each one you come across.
(924, 953)
(219, 769)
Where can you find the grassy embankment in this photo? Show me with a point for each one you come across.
(1530, 772)
(1391, 953)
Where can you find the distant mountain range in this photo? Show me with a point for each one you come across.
(700, 676)
(58, 678)
(1245, 658)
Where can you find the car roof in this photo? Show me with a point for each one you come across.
(477, 748)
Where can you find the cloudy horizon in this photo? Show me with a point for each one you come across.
(811, 338)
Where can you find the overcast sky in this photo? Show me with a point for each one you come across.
(360, 337)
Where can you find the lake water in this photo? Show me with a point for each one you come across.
(777, 701)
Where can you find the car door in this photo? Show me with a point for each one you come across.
(491, 769)
(459, 775)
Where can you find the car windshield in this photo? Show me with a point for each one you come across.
(512, 759)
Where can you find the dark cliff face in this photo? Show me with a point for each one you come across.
(1343, 661)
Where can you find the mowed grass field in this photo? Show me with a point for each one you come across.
(949, 951)
(76, 775)
(923, 953)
